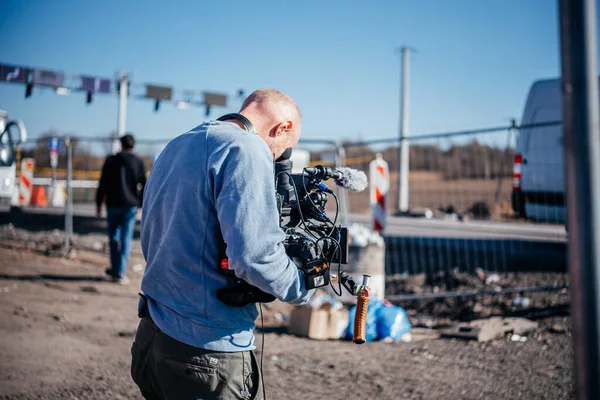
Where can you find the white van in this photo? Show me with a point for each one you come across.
(12, 133)
(538, 174)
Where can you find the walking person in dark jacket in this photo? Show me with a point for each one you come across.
(121, 187)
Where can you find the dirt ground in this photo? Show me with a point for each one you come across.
(66, 333)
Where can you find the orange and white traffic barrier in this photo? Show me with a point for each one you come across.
(26, 181)
(380, 187)
(38, 196)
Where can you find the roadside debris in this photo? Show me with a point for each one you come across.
(322, 318)
(522, 302)
(493, 278)
(518, 338)
(362, 236)
(484, 330)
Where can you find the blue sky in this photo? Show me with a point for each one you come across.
(474, 64)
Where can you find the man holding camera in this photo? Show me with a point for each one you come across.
(210, 204)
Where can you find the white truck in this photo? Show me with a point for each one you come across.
(12, 133)
(538, 171)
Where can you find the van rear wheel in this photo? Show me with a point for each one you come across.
(518, 203)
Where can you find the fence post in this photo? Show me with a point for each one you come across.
(69, 204)
(581, 127)
(340, 161)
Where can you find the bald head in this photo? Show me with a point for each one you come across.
(276, 118)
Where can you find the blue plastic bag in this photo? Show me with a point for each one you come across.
(392, 322)
(383, 321)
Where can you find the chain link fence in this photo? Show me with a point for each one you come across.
(89, 154)
(472, 197)
(507, 173)
(484, 216)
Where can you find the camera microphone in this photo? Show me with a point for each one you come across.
(348, 178)
(351, 179)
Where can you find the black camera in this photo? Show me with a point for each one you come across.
(312, 239)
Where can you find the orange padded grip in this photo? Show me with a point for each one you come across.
(360, 320)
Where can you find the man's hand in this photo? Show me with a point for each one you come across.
(139, 214)
(98, 211)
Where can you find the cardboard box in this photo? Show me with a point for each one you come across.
(318, 323)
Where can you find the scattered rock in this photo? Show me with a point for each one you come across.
(22, 311)
(97, 246)
(559, 328)
(54, 250)
(138, 268)
(9, 288)
(478, 308)
(89, 289)
(518, 338)
(72, 254)
(127, 333)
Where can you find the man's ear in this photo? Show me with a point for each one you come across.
(284, 128)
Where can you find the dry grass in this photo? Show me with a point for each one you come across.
(430, 190)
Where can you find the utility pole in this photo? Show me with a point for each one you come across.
(123, 87)
(581, 127)
(122, 115)
(403, 156)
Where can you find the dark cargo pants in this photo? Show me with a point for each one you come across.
(166, 369)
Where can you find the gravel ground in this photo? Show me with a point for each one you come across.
(66, 333)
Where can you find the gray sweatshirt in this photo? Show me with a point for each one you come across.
(217, 172)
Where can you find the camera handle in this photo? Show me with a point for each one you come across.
(362, 303)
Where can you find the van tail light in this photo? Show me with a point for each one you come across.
(517, 171)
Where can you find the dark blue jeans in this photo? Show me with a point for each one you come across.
(121, 223)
